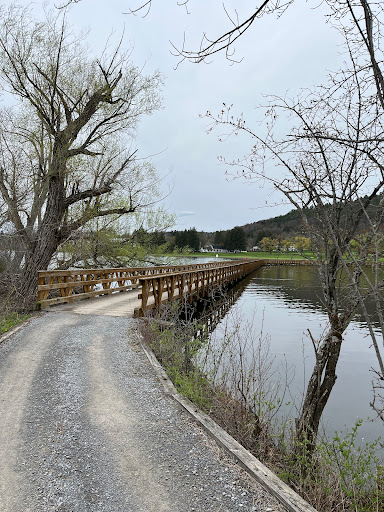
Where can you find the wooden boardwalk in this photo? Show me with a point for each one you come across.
(116, 304)
(144, 287)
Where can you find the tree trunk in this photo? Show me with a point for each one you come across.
(319, 388)
(38, 260)
(45, 245)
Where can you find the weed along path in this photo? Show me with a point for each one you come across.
(86, 426)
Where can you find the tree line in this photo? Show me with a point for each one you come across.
(232, 240)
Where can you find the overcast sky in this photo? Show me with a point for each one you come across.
(279, 55)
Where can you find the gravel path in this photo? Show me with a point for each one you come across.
(85, 425)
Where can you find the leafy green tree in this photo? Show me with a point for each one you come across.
(66, 147)
(286, 243)
(106, 242)
(302, 243)
(269, 244)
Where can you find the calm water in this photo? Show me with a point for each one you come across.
(284, 302)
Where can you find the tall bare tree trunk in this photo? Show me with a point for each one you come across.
(319, 388)
(45, 245)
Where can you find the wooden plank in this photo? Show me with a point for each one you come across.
(71, 284)
(79, 296)
(40, 294)
(49, 273)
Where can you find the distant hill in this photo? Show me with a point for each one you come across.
(283, 226)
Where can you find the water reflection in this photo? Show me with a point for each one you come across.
(286, 302)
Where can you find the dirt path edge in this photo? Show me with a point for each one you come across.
(264, 476)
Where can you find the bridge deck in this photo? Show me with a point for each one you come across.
(117, 304)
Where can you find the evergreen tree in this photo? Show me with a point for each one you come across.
(188, 238)
(236, 239)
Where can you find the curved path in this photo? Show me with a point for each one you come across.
(85, 425)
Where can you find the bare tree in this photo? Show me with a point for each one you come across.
(344, 14)
(330, 159)
(66, 142)
(361, 24)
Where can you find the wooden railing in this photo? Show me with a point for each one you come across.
(287, 262)
(59, 286)
(72, 285)
(189, 285)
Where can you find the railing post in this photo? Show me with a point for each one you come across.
(159, 290)
(40, 293)
(171, 287)
(144, 295)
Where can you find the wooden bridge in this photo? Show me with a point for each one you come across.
(148, 287)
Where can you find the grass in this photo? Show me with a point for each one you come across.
(10, 320)
(307, 255)
(254, 255)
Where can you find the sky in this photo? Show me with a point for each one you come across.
(279, 56)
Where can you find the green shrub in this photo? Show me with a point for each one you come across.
(359, 469)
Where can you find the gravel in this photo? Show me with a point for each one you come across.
(87, 426)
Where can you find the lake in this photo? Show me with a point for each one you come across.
(284, 301)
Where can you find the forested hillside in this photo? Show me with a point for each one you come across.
(282, 227)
